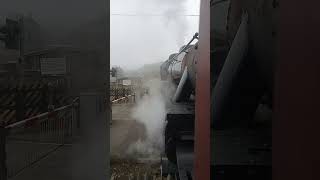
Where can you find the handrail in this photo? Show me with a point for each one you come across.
(41, 115)
(171, 60)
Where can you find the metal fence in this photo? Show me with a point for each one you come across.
(125, 99)
(28, 99)
(26, 142)
(121, 94)
(117, 92)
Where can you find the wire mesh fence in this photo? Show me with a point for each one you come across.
(119, 92)
(28, 141)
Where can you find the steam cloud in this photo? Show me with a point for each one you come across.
(151, 111)
(174, 9)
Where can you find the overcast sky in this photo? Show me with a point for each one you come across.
(138, 38)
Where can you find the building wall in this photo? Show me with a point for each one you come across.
(32, 37)
(87, 73)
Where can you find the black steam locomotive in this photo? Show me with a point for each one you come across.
(243, 41)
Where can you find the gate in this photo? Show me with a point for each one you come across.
(26, 142)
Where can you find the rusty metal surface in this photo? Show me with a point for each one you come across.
(202, 121)
(297, 100)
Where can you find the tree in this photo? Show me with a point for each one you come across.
(117, 71)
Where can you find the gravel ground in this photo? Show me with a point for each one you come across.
(124, 132)
(125, 169)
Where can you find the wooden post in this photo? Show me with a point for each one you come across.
(19, 105)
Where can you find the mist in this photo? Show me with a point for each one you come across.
(151, 112)
(145, 32)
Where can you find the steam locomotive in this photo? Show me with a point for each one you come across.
(243, 39)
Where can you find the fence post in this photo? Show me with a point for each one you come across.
(76, 116)
(3, 163)
(116, 93)
(19, 105)
(44, 98)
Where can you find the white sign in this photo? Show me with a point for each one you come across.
(126, 82)
(53, 66)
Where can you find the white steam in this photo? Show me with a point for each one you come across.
(151, 111)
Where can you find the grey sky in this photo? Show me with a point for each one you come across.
(143, 39)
